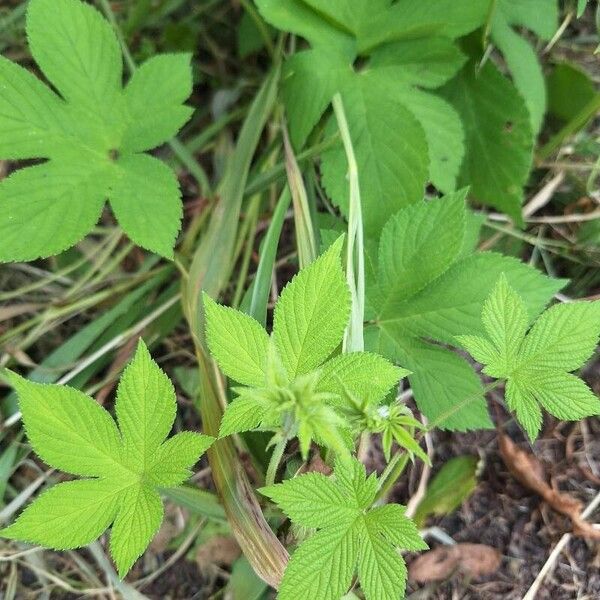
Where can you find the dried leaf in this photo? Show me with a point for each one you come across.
(528, 470)
(475, 560)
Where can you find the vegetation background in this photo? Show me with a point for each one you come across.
(78, 316)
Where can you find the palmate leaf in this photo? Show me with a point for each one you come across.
(294, 385)
(92, 132)
(419, 298)
(402, 134)
(351, 535)
(537, 364)
(125, 464)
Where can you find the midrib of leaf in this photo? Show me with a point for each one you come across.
(329, 20)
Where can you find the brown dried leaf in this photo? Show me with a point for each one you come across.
(528, 470)
(475, 560)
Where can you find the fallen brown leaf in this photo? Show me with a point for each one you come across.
(528, 470)
(475, 560)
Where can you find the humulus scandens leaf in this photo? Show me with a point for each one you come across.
(124, 462)
(537, 364)
(351, 536)
(92, 133)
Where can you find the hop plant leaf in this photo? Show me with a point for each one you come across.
(429, 286)
(123, 465)
(351, 536)
(93, 134)
(537, 364)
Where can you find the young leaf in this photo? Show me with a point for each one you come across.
(537, 364)
(125, 465)
(238, 343)
(367, 375)
(91, 132)
(441, 296)
(311, 313)
(351, 535)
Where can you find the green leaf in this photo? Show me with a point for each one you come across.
(135, 525)
(564, 337)
(37, 126)
(401, 133)
(419, 295)
(68, 515)
(90, 133)
(311, 313)
(298, 17)
(521, 58)
(350, 535)
(67, 429)
(70, 431)
(243, 414)
(390, 148)
(536, 365)
(47, 208)
(78, 52)
(435, 229)
(381, 570)
(328, 503)
(322, 567)
(452, 485)
(305, 109)
(238, 342)
(154, 98)
(498, 136)
(175, 457)
(391, 522)
(146, 200)
(367, 375)
(445, 386)
(408, 19)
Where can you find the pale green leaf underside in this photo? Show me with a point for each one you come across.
(89, 131)
(71, 432)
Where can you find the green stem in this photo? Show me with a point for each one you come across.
(275, 460)
(355, 261)
(392, 473)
